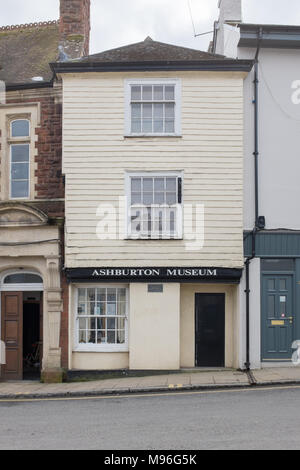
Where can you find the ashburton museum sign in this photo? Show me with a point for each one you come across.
(149, 274)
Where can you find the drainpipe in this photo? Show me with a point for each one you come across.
(257, 225)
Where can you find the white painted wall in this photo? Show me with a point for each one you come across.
(279, 132)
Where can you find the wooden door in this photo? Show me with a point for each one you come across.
(12, 334)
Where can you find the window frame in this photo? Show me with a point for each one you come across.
(14, 141)
(90, 347)
(155, 81)
(153, 174)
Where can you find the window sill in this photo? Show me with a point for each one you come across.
(147, 136)
(99, 349)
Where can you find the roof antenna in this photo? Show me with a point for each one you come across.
(191, 14)
(63, 57)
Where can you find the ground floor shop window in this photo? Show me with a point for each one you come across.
(102, 318)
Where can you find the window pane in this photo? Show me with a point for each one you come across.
(169, 92)
(101, 295)
(111, 323)
(170, 127)
(159, 198)
(148, 198)
(170, 111)
(90, 308)
(111, 337)
(20, 128)
(122, 308)
(136, 92)
(147, 92)
(111, 309)
(19, 189)
(111, 295)
(81, 309)
(121, 295)
(147, 111)
(121, 337)
(158, 126)
(158, 92)
(136, 198)
(91, 295)
(147, 126)
(159, 184)
(148, 184)
(136, 184)
(136, 111)
(20, 153)
(158, 111)
(20, 171)
(171, 184)
(82, 337)
(136, 126)
(81, 295)
(171, 198)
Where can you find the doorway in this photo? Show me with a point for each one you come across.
(210, 330)
(21, 331)
(278, 317)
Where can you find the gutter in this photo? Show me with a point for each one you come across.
(29, 86)
(224, 65)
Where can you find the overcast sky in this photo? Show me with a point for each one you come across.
(120, 22)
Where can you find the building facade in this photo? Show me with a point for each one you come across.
(153, 165)
(271, 167)
(33, 327)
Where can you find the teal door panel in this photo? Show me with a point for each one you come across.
(277, 317)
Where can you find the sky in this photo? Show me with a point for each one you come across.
(120, 22)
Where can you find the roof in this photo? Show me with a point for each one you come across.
(27, 50)
(272, 35)
(149, 51)
(149, 55)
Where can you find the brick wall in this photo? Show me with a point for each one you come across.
(49, 184)
(74, 25)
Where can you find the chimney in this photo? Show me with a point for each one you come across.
(226, 31)
(230, 11)
(74, 28)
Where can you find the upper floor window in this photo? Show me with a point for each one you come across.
(19, 159)
(155, 205)
(152, 107)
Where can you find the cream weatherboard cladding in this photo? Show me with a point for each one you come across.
(96, 157)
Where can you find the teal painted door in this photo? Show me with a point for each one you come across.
(277, 317)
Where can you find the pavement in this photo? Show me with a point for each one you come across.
(192, 379)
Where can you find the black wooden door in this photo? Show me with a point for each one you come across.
(210, 330)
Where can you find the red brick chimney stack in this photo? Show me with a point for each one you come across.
(75, 27)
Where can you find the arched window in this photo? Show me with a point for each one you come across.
(23, 278)
(21, 281)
